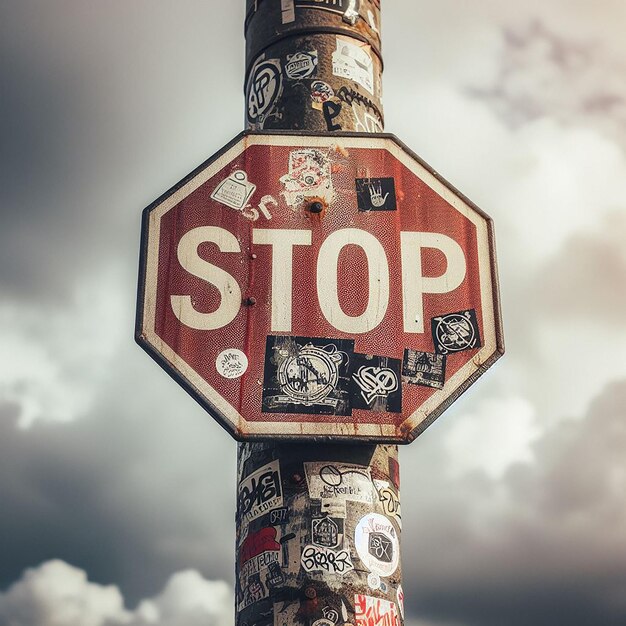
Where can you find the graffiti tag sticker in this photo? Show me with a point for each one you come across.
(377, 544)
(260, 492)
(264, 88)
(375, 383)
(307, 375)
(424, 368)
(301, 65)
(231, 363)
(455, 332)
(338, 481)
(369, 611)
(319, 559)
(376, 194)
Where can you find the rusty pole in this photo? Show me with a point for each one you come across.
(316, 65)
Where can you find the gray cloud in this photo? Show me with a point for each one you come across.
(586, 278)
(543, 545)
(142, 487)
(546, 73)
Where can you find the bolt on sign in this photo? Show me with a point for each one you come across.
(319, 287)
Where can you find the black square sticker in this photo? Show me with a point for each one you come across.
(375, 383)
(424, 368)
(455, 332)
(376, 194)
(307, 375)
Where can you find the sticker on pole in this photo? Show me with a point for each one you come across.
(307, 287)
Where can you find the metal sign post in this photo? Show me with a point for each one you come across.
(325, 295)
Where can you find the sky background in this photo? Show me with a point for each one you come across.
(117, 492)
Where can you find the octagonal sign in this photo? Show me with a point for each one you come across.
(319, 287)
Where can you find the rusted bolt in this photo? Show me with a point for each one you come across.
(253, 256)
(251, 301)
(316, 207)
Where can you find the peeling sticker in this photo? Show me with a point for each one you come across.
(260, 492)
(318, 559)
(231, 363)
(424, 368)
(338, 481)
(253, 592)
(377, 544)
(234, 191)
(288, 11)
(352, 61)
(352, 12)
(301, 65)
(309, 176)
(455, 332)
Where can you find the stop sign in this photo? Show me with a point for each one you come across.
(319, 287)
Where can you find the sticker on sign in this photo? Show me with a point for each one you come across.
(360, 309)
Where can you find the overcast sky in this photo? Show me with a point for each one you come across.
(117, 491)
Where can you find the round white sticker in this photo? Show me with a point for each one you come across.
(377, 544)
(231, 363)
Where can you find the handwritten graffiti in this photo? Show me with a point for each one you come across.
(390, 500)
(318, 559)
(370, 611)
(365, 122)
(260, 492)
(331, 110)
(351, 96)
(337, 481)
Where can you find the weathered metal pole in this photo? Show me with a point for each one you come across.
(318, 525)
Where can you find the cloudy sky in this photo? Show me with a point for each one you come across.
(117, 491)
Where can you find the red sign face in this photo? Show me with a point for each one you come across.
(319, 287)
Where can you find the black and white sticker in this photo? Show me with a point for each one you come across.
(302, 64)
(424, 368)
(264, 87)
(455, 332)
(307, 375)
(376, 194)
(375, 383)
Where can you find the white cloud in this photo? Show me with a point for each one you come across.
(58, 594)
(56, 355)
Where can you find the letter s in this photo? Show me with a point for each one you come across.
(228, 287)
